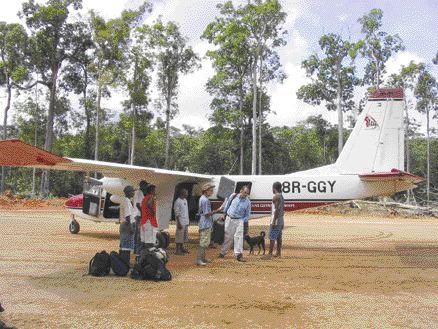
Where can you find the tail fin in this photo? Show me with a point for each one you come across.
(376, 143)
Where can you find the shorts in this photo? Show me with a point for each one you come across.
(275, 233)
(204, 237)
(182, 235)
(148, 233)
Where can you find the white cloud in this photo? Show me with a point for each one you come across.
(193, 99)
(395, 63)
(107, 9)
(287, 108)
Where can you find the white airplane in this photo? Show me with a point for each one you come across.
(370, 164)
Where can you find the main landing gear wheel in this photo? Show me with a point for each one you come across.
(74, 227)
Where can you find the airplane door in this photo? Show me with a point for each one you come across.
(192, 200)
(92, 201)
(226, 188)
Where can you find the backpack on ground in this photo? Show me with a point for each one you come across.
(118, 264)
(100, 264)
(152, 266)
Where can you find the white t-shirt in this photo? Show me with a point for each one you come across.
(182, 211)
(138, 198)
(126, 209)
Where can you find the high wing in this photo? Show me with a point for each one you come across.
(16, 153)
(393, 175)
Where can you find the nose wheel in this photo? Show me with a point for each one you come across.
(74, 227)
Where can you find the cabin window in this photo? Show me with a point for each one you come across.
(240, 184)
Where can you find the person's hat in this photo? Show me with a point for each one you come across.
(207, 186)
(128, 189)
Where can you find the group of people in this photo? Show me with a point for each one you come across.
(138, 219)
(139, 226)
(237, 210)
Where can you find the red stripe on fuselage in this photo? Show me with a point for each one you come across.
(265, 206)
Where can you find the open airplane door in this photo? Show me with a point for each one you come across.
(226, 188)
(92, 202)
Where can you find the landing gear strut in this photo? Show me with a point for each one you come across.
(74, 226)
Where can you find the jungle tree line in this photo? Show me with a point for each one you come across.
(61, 53)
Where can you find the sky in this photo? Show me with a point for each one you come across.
(307, 21)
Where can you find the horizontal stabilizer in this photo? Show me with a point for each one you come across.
(393, 175)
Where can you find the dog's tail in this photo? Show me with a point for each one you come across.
(262, 233)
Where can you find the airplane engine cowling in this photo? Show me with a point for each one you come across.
(114, 186)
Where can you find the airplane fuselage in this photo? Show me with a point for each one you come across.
(300, 190)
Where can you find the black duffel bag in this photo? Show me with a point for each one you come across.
(151, 266)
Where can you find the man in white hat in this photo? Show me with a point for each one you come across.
(205, 223)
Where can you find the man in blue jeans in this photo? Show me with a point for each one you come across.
(237, 210)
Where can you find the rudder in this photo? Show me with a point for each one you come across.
(376, 143)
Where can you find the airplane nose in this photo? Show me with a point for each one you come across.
(75, 201)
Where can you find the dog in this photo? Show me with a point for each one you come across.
(257, 240)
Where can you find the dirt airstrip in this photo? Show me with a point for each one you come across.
(336, 272)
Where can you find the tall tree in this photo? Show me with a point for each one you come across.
(138, 78)
(52, 44)
(77, 77)
(111, 41)
(232, 62)
(426, 93)
(333, 78)
(14, 69)
(264, 21)
(378, 46)
(174, 56)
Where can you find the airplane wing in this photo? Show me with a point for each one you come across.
(393, 175)
(16, 153)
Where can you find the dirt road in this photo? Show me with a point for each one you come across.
(335, 272)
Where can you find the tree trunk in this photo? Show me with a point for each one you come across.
(48, 144)
(34, 170)
(377, 71)
(87, 151)
(5, 134)
(96, 146)
(241, 128)
(378, 75)
(340, 117)
(97, 138)
(260, 115)
(408, 155)
(254, 120)
(166, 159)
(428, 157)
(133, 135)
(35, 138)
